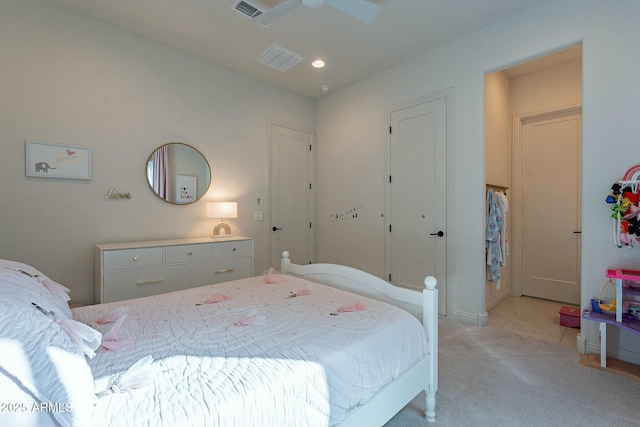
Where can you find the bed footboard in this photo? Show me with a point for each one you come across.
(423, 305)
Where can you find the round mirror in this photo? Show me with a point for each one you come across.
(178, 173)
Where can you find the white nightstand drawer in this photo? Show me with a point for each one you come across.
(239, 248)
(187, 253)
(123, 285)
(206, 273)
(132, 258)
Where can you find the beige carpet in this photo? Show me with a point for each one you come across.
(492, 377)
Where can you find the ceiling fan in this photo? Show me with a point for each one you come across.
(361, 10)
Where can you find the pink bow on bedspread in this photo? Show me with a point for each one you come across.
(251, 319)
(270, 276)
(119, 336)
(85, 338)
(301, 293)
(141, 373)
(354, 306)
(217, 298)
(114, 315)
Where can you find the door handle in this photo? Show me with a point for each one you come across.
(276, 228)
(577, 232)
(439, 234)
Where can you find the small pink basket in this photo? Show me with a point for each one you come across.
(569, 316)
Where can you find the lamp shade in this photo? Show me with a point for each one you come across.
(222, 210)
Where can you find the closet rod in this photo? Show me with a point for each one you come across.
(496, 187)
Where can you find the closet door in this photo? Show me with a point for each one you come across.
(290, 189)
(551, 200)
(417, 156)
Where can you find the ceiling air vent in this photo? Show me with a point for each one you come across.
(279, 58)
(247, 9)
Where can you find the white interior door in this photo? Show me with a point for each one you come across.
(290, 173)
(417, 244)
(550, 212)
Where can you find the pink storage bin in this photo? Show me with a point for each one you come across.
(569, 316)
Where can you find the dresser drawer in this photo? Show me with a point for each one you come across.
(239, 248)
(206, 273)
(138, 269)
(187, 253)
(132, 258)
(123, 285)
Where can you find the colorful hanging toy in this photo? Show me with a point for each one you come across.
(625, 202)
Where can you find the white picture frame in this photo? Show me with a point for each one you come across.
(54, 160)
(186, 189)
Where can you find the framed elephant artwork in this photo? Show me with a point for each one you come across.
(53, 160)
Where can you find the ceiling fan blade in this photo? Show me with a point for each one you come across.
(271, 15)
(362, 10)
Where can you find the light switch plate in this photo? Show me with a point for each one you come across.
(258, 216)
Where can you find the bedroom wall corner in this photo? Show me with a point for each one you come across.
(71, 79)
(610, 96)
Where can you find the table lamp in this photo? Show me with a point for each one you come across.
(222, 210)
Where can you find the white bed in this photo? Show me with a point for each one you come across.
(277, 350)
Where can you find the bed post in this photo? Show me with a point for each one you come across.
(430, 321)
(284, 262)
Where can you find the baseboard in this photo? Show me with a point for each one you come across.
(581, 344)
(483, 319)
(615, 353)
(474, 318)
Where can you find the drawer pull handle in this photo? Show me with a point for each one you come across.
(234, 249)
(135, 258)
(223, 271)
(149, 282)
(190, 253)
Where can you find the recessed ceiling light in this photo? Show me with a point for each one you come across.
(318, 63)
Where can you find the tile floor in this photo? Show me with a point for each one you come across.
(533, 317)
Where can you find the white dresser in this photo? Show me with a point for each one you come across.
(138, 269)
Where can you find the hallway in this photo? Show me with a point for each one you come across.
(532, 317)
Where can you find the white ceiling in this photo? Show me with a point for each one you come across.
(352, 50)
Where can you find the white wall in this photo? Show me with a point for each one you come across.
(497, 131)
(71, 79)
(351, 137)
(547, 88)
(497, 152)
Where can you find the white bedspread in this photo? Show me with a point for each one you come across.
(301, 363)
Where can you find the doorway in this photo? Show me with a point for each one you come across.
(541, 98)
(289, 225)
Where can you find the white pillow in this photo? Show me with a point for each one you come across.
(42, 372)
(24, 285)
(39, 359)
